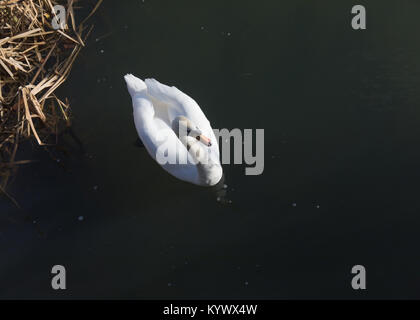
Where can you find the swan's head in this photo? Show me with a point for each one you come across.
(208, 165)
(185, 129)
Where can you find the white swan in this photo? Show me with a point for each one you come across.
(175, 131)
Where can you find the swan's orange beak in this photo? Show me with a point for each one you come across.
(204, 140)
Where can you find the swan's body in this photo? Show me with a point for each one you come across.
(158, 112)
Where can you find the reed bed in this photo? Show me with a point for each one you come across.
(35, 59)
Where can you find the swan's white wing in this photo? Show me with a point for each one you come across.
(162, 144)
(158, 138)
(180, 104)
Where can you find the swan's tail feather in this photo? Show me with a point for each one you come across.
(135, 85)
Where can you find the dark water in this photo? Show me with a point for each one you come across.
(340, 109)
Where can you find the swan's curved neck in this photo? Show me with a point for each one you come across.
(209, 171)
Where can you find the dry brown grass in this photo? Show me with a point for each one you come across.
(35, 60)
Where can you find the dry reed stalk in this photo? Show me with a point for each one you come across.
(35, 60)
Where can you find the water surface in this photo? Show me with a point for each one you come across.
(340, 110)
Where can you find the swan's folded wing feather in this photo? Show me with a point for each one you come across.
(166, 93)
(175, 98)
